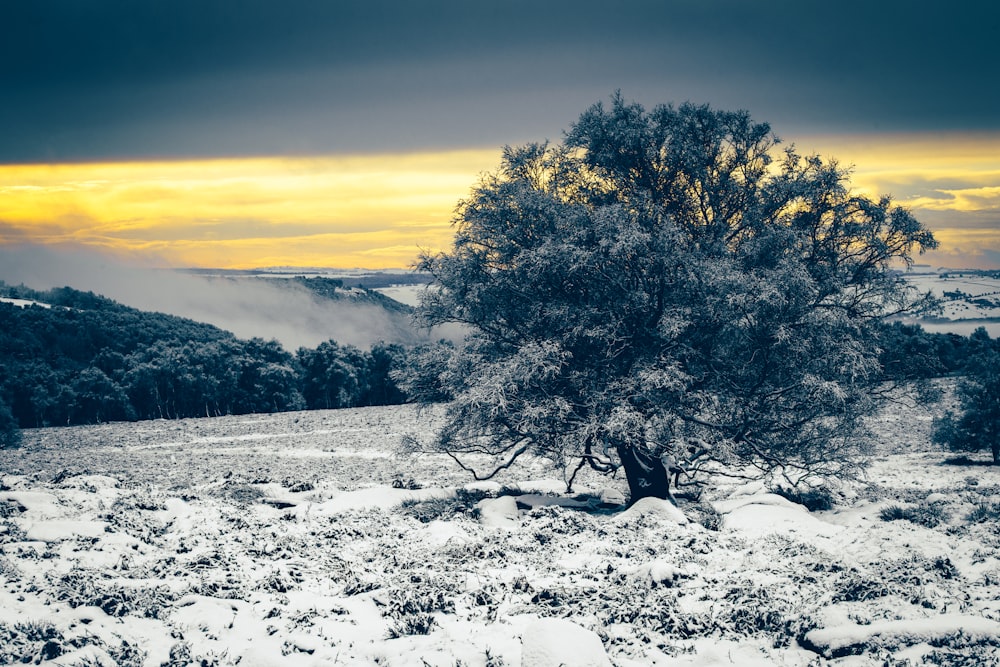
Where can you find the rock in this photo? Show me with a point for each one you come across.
(612, 497)
(280, 503)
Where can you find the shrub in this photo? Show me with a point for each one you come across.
(9, 509)
(83, 589)
(425, 600)
(10, 432)
(411, 609)
(30, 642)
(241, 494)
(924, 515)
(426, 511)
(814, 499)
(299, 487)
(984, 512)
(413, 624)
(704, 514)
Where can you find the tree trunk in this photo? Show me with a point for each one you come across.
(646, 475)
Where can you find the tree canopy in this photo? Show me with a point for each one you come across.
(665, 291)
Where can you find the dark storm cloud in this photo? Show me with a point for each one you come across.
(104, 79)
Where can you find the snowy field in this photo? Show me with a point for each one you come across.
(305, 539)
(968, 301)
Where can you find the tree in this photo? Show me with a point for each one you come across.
(977, 426)
(267, 380)
(98, 398)
(665, 292)
(383, 361)
(332, 375)
(10, 432)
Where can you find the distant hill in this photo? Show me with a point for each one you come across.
(334, 289)
(364, 278)
(74, 357)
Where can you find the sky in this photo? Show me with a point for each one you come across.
(343, 133)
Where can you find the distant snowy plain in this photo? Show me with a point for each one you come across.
(969, 300)
(306, 539)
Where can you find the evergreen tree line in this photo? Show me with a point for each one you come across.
(88, 359)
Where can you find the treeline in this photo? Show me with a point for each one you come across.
(88, 359)
(911, 353)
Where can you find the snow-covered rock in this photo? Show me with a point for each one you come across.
(36, 503)
(498, 512)
(737, 501)
(756, 520)
(657, 572)
(57, 530)
(758, 514)
(611, 496)
(838, 640)
(657, 507)
(555, 642)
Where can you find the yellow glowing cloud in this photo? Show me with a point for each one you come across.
(914, 168)
(376, 211)
(986, 198)
(337, 211)
(951, 182)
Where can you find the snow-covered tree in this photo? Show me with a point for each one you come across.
(977, 426)
(665, 292)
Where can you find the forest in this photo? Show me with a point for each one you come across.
(71, 357)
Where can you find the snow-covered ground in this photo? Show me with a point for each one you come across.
(305, 539)
(408, 294)
(23, 303)
(968, 300)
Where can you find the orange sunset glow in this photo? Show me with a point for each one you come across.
(379, 211)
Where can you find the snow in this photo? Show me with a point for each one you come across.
(556, 642)
(56, 531)
(654, 507)
(285, 540)
(656, 572)
(23, 303)
(376, 497)
(38, 503)
(498, 512)
(762, 514)
(834, 640)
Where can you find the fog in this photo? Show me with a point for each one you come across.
(248, 306)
